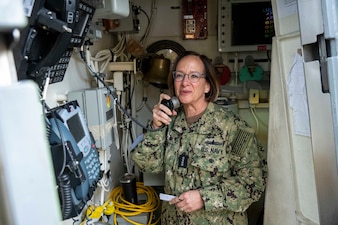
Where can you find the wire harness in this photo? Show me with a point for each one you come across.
(116, 206)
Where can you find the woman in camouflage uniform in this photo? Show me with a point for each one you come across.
(212, 160)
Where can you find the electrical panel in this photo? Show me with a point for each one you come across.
(112, 9)
(99, 110)
(129, 24)
(195, 19)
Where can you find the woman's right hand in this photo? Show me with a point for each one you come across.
(161, 113)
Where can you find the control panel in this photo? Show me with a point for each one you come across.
(195, 21)
(47, 42)
(84, 16)
(56, 72)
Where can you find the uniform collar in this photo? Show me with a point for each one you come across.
(202, 126)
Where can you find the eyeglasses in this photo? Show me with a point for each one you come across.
(192, 77)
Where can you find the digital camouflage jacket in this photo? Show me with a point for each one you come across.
(218, 155)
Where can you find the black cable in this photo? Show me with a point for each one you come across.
(111, 92)
(145, 14)
(62, 142)
(63, 179)
(65, 195)
(268, 52)
(119, 104)
(64, 182)
(147, 27)
(129, 97)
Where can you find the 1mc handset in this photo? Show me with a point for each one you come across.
(172, 104)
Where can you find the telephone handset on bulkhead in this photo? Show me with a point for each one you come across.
(75, 158)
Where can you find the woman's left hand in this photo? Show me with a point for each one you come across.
(189, 201)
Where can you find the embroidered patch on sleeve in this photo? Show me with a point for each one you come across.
(240, 142)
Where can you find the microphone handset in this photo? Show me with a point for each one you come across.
(172, 103)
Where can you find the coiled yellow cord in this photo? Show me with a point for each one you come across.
(117, 205)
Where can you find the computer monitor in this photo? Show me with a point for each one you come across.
(245, 25)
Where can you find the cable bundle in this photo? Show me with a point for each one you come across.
(117, 205)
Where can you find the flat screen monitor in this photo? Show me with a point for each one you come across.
(245, 25)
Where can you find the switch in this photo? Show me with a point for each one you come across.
(254, 96)
(118, 80)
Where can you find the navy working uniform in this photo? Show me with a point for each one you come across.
(218, 155)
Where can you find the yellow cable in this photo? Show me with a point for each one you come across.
(117, 205)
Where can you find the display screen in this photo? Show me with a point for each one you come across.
(252, 23)
(75, 126)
